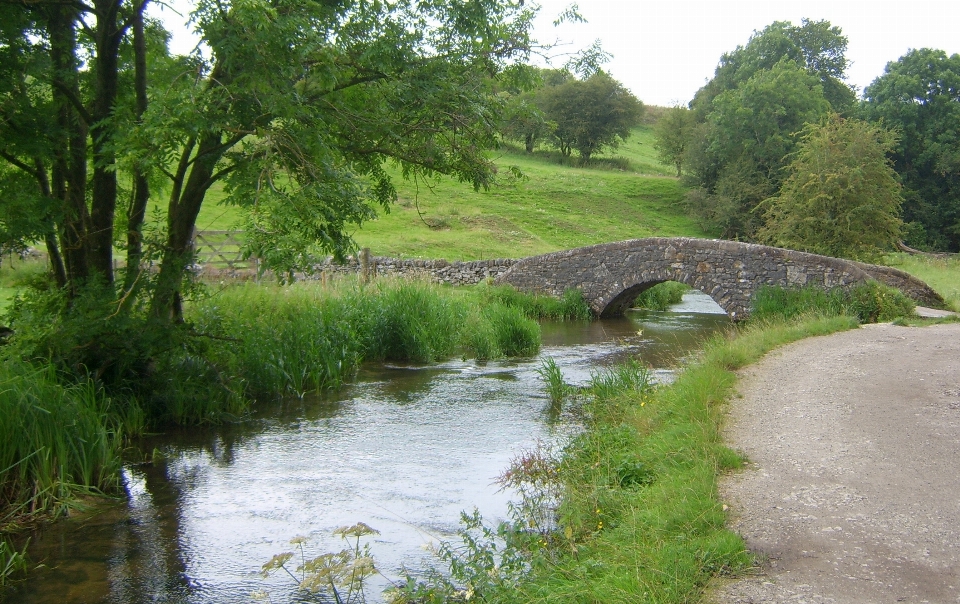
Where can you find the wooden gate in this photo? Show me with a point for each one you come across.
(222, 250)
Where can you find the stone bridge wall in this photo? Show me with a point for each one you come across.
(612, 275)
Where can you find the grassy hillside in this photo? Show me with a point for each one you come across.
(622, 195)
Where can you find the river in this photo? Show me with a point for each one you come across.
(404, 449)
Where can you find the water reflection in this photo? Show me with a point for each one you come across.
(405, 449)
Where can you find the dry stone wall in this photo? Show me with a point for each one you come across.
(440, 271)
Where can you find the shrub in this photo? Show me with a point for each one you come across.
(873, 302)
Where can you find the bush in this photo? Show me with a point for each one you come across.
(159, 368)
(873, 302)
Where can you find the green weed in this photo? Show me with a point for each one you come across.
(278, 341)
(13, 562)
(409, 321)
(570, 307)
(557, 388)
(630, 377)
(514, 334)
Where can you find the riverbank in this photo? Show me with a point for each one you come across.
(851, 491)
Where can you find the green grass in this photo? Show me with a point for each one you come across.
(16, 274)
(554, 207)
(624, 194)
(56, 442)
(942, 274)
(641, 519)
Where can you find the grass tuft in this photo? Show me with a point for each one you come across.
(557, 388)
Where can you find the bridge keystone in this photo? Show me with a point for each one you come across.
(612, 275)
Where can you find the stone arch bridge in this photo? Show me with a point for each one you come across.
(612, 275)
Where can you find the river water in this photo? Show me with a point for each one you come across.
(405, 449)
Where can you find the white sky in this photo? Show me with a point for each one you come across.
(664, 51)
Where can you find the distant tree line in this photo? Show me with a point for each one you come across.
(778, 149)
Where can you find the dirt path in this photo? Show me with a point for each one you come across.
(853, 490)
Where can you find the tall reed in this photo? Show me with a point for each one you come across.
(55, 442)
(279, 341)
(408, 321)
(274, 341)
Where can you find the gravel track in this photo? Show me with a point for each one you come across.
(852, 491)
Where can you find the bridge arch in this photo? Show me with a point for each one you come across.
(612, 275)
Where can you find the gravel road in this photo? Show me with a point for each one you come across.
(852, 493)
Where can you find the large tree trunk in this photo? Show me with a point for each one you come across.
(141, 187)
(103, 208)
(70, 143)
(181, 220)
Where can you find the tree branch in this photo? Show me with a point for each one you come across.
(75, 101)
(16, 162)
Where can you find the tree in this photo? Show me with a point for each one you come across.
(298, 108)
(673, 132)
(919, 96)
(816, 46)
(590, 114)
(842, 197)
(523, 120)
(746, 140)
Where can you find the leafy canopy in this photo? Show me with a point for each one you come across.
(842, 197)
(919, 96)
(745, 142)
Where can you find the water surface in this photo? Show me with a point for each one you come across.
(405, 449)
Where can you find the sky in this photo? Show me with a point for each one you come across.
(665, 51)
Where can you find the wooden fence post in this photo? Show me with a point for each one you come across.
(365, 265)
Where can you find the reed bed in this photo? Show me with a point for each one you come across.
(311, 337)
(54, 440)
